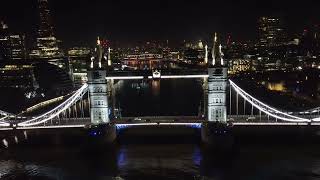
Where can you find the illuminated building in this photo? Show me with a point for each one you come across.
(276, 86)
(47, 45)
(12, 46)
(194, 53)
(78, 60)
(200, 45)
(17, 76)
(197, 45)
(4, 42)
(270, 31)
(174, 55)
(217, 85)
(240, 65)
(79, 52)
(28, 75)
(18, 50)
(99, 107)
(143, 56)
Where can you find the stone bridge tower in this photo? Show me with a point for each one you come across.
(99, 108)
(217, 85)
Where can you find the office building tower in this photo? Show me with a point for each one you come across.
(271, 31)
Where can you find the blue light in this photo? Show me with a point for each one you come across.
(121, 126)
(196, 156)
(93, 133)
(195, 126)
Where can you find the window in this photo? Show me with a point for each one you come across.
(99, 102)
(98, 89)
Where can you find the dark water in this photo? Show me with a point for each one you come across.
(161, 161)
(159, 98)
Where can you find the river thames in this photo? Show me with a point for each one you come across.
(156, 160)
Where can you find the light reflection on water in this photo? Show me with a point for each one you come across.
(160, 161)
(12, 169)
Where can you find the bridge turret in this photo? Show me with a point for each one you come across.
(99, 108)
(217, 85)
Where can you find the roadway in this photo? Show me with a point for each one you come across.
(236, 120)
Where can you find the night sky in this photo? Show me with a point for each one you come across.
(78, 22)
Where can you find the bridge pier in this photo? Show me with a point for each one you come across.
(102, 133)
(217, 135)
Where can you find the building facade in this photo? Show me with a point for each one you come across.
(99, 107)
(271, 32)
(47, 46)
(12, 46)
(217, 85)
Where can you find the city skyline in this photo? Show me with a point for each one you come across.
(126, 22)
(159, 89)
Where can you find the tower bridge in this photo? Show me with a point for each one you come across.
(217, 117)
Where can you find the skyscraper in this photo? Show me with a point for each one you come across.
(47, 45)
(12, 46)
(270, 31)
(45, 25)
(4, 41)
(17, 46)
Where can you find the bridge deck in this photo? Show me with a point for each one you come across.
(236, 120)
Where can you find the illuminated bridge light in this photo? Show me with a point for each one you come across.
(157, 77)
(52, 127)
(270, 124)
(57, 110)
(192, 125)
(5, 129)
(34, 122)
(124, 77)
(265, 108)
(184, 76)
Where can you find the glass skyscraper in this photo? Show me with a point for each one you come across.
(270, 31)
(47, 45)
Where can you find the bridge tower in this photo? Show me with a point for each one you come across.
(216, 132)
(217, 86)
(99, 108)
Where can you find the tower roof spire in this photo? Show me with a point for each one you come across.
(214, 49)
(217, 54)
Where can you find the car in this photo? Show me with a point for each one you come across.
(251, 118)
(137, 119)
(231, 120)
